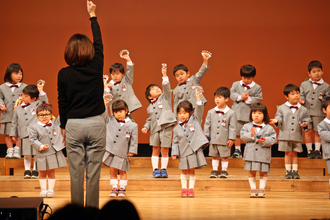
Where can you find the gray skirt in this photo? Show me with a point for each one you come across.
(114, 161)
(257, 166)
(26, 148)
(5, 128)
(328, 165)
(50, 162)
(195, 160)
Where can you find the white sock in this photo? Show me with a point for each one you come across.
(27, 162)
(51, 184)
(295, 167)
(192, 178)
(184, 181)
(288, 166)
(252, 182)
(317, 146)
(164, 162)
(43, 184)
(154, 162)
(263, 182)
(35, 162)
(238, 147)
(224, 165)
(122, 184)
(309, 146)
(16, 148)
(215, 164)
(114, 183)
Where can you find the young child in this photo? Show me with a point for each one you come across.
(120, 86)
(324, 132)
(244, 93)
(312, 93)
(259, 137)
(188, 142)
(45, 137)
(25, 115)
(10, 92)
(220, 127)
(160, 123)
(122, 143)
(185, 90)
(292, 118)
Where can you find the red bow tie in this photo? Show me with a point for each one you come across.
(183, 123)
(13, 86)
(48, 124)
(153, 101)
(184, 83)
(316, 83)
(116, 83)
(220, 112)
(26, 105)
(296, 107)
(244, 85)
(122, 121)
(257, 126)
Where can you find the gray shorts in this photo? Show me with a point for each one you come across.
(216, 150)
(162, 138)
(239, 126)
(287, 146)
(5, 128)
(315, 121)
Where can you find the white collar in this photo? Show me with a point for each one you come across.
(250, 85)
(289, 105)
(225, 110)
(42, 124)
(327, 120)
(262, 125)
(320, 81)
(10, 84)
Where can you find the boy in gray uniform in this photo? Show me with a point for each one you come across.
(220, 128)
(324, 132)
(244, 93)
(312, 93)
(24, 115)
(160, 123)
(292, 117)
(185, 90)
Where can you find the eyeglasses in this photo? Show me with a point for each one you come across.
(44, 116)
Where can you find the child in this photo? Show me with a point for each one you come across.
(25, 115)
(122, 143)
(259, 137)
(120, 86)
(312, 93)
(244, 93)
(220, 127)
(188, 142)
(45, 137)
(292, 118)
(160, 123)
(10, 92)
(185, 90)
(324, 132)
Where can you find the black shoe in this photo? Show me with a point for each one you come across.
(27, 174)
(310, 154)
(35, 174)
(288, 174)
(295, 174)
(214, 174)
(223, 174)
(317, 154)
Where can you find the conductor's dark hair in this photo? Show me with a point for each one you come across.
(186, 105)
(290, 87)
(180, 67)
(117, 66)
(223, 91)
(260, 107)
(14, 67)
(147, 92)
(32, 91)
(248, 71)
(79, 50)
(314, 64)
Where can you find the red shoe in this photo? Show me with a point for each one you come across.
(191, 193)
(184, 193)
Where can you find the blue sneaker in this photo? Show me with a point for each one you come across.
(163, 173)
(156, 173)
(237, 153)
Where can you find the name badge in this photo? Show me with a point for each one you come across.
(33, 111)
(54, 131)
(123, 87)
(223, 123)
(160, 105)
(321, 96)
(128, 134)
(191, 128)
(192, 86)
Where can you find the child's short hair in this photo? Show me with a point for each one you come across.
(260, 107)
(119, 105)
(313, 64)
(32, 91)
(180, 67)
(325, 103)
(224, 91)
(147, 92)
(117, 66)
(79, 50)
(248, 71)
(290, 87)
(186, 105)
(14, 67)
(45, 107)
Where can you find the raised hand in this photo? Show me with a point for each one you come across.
(164, 69)
(91, 7)
(125, 55)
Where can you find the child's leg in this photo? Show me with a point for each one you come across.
(224, 163)
(238, 143)
(8, 142)
(184, 183)
(164, 151)
(263, 180)
(192, 178)
(155, 157)
(51, 182)
(35, 173)
(309, 143)
(122, 183)
(27, 162)
(288, 160)
(252, 179)
(113, 177)
(295, 174)
(43, 183)
(317, 139)
(215, 163)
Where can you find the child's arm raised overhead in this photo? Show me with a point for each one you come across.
(166, 84)
(129, 66)
(199, 75)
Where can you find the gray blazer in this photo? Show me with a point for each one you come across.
(254, 151)
(220, 128)
(128, 96)
(24, 117)
(288, 122)
(160, 118)
(117, 142)
(187, 91)
(311, 97)
(324, 132)
(242, 109)
(51, 135)
(8, 98)
(187, 141)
